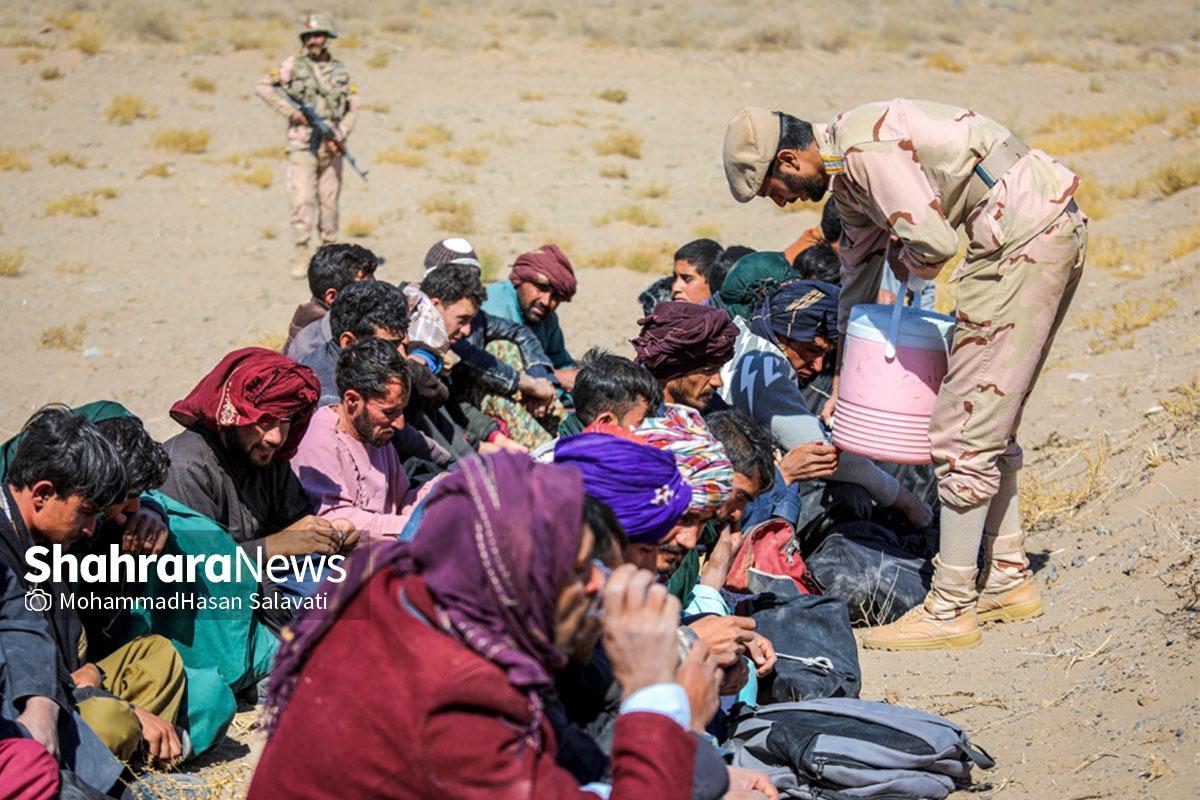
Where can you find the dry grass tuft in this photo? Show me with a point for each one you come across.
(61, 158)
(160, 170)
(273, 342)
(453, 215)
(106, 192)
(183, 140)
(89, 39)
(1113, 327)
(1184, 243)
(13, 159)
(149, 22)
(471, 156)
(653, 191)
(531, 97)
(707, 230)
(1064, 134)
(60, 337)
(1129, 259)
(943, 62)
(378, 108)
(518, 222)
(260, 175)
(1189, 123)
(74, 205)
(203, 85)
(405, 158)
(613, 95)
(125, 108)
(77, 268)
(1176, 176)
(773, 37)
(620, 143)
(1182, 404)
(638, 257)
(1044, 499)
(268, 233)
(379, 59)
(361, 227)
(614, 172)
(1094, 197)
(12, 263)
(50, 74)
(632, 213)
(27, 56)
(427, 136)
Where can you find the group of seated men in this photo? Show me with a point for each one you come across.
(533, 546)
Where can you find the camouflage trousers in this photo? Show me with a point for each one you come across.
(314, 183)
(523, 428)
(1010, 306)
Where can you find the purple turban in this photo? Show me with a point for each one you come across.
(640, 483)
(678, 338)
(547, 266)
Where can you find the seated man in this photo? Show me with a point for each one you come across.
(539, 281)
(781, 350)
(372, 308)
(316, 331)
(684, 346)
(612, 390)
(332, 268)
(345, 461)
(464, 628)
(244, 421)
(62, 473)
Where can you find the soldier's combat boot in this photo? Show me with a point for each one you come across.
(1007, 592)
(946, 620)
(300, 257)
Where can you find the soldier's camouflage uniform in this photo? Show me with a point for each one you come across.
(902, 168)
(314, 180)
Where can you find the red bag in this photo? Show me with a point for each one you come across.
(767, 547)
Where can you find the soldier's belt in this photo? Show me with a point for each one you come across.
(992, 167)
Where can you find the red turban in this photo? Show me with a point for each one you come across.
(546, 266)
(679, 338)
(250, 385)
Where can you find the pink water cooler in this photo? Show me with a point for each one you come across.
(894, 362)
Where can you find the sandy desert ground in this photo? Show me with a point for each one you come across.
(128, 267)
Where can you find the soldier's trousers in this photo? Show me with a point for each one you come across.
(1009, 309)
(314, 185)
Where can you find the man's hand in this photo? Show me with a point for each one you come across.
(566, 377)
(145, 532)
(809, 462)
(885, 297)
(345, 531)
(501, 442)
(307, 536)
(87, 676)
(700, 677)
(335, 146)
(733, 679)
(831, 403)
(750, 784)
(716, 568)
(40, 718)
(162, 740)
(536, 388)
(762, 653)
(913, 507)
(640, 618)
(726, 637)
(296, 118)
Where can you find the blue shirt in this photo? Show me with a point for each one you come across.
(502, 302)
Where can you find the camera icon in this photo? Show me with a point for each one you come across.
(38, 599)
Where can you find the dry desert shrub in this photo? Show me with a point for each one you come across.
(260, 175)
(490, 264)
(182, 140)
(775, 37)
(653, 191)
(89, 39)
(614, 172)
(620, 143)
(632, 213)
(11, 263)
(149, 22)
(106, 192)
(707, 230)
(61, 158)
(530, 97)
(27, 56)
(361, 227)
(518, 222)
(73, 205)
(125, 108)
(405, 158)
(379, 59)
(1189, 123)
(1046, 498)
(613, 95)
(268, 233)
(349, 41)
(426, 136)
(1064, 134)
(1182, 404)
(13, 159)
(378, 108)
(1176, 176)
(50, 74)
(203, 85)
(1038, 56)
(61, 337)
(1114, 327)
(638, 257)
(943, 62)
(453, 215)
(1130, 259)
(1184, 243)
(161, 170)
(17, 38)
(471, 156)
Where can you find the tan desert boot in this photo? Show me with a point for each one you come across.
(946, 620)
(1007, 592)
(300, 258)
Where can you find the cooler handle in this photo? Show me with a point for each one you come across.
(918, 284)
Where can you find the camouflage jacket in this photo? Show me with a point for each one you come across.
(325, 85)
(901, 168)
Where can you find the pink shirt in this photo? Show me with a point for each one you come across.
(349, 479)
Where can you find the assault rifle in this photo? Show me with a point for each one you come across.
(321, 130)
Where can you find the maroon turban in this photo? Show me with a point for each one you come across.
(250, 385)
(546, 266)
(678, 338)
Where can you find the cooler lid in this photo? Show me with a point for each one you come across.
(926, 330)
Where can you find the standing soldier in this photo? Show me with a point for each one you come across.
(906, 174)
(314, 171)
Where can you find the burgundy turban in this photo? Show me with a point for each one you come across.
(678, 338)
(546, 266)
(250, 385)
